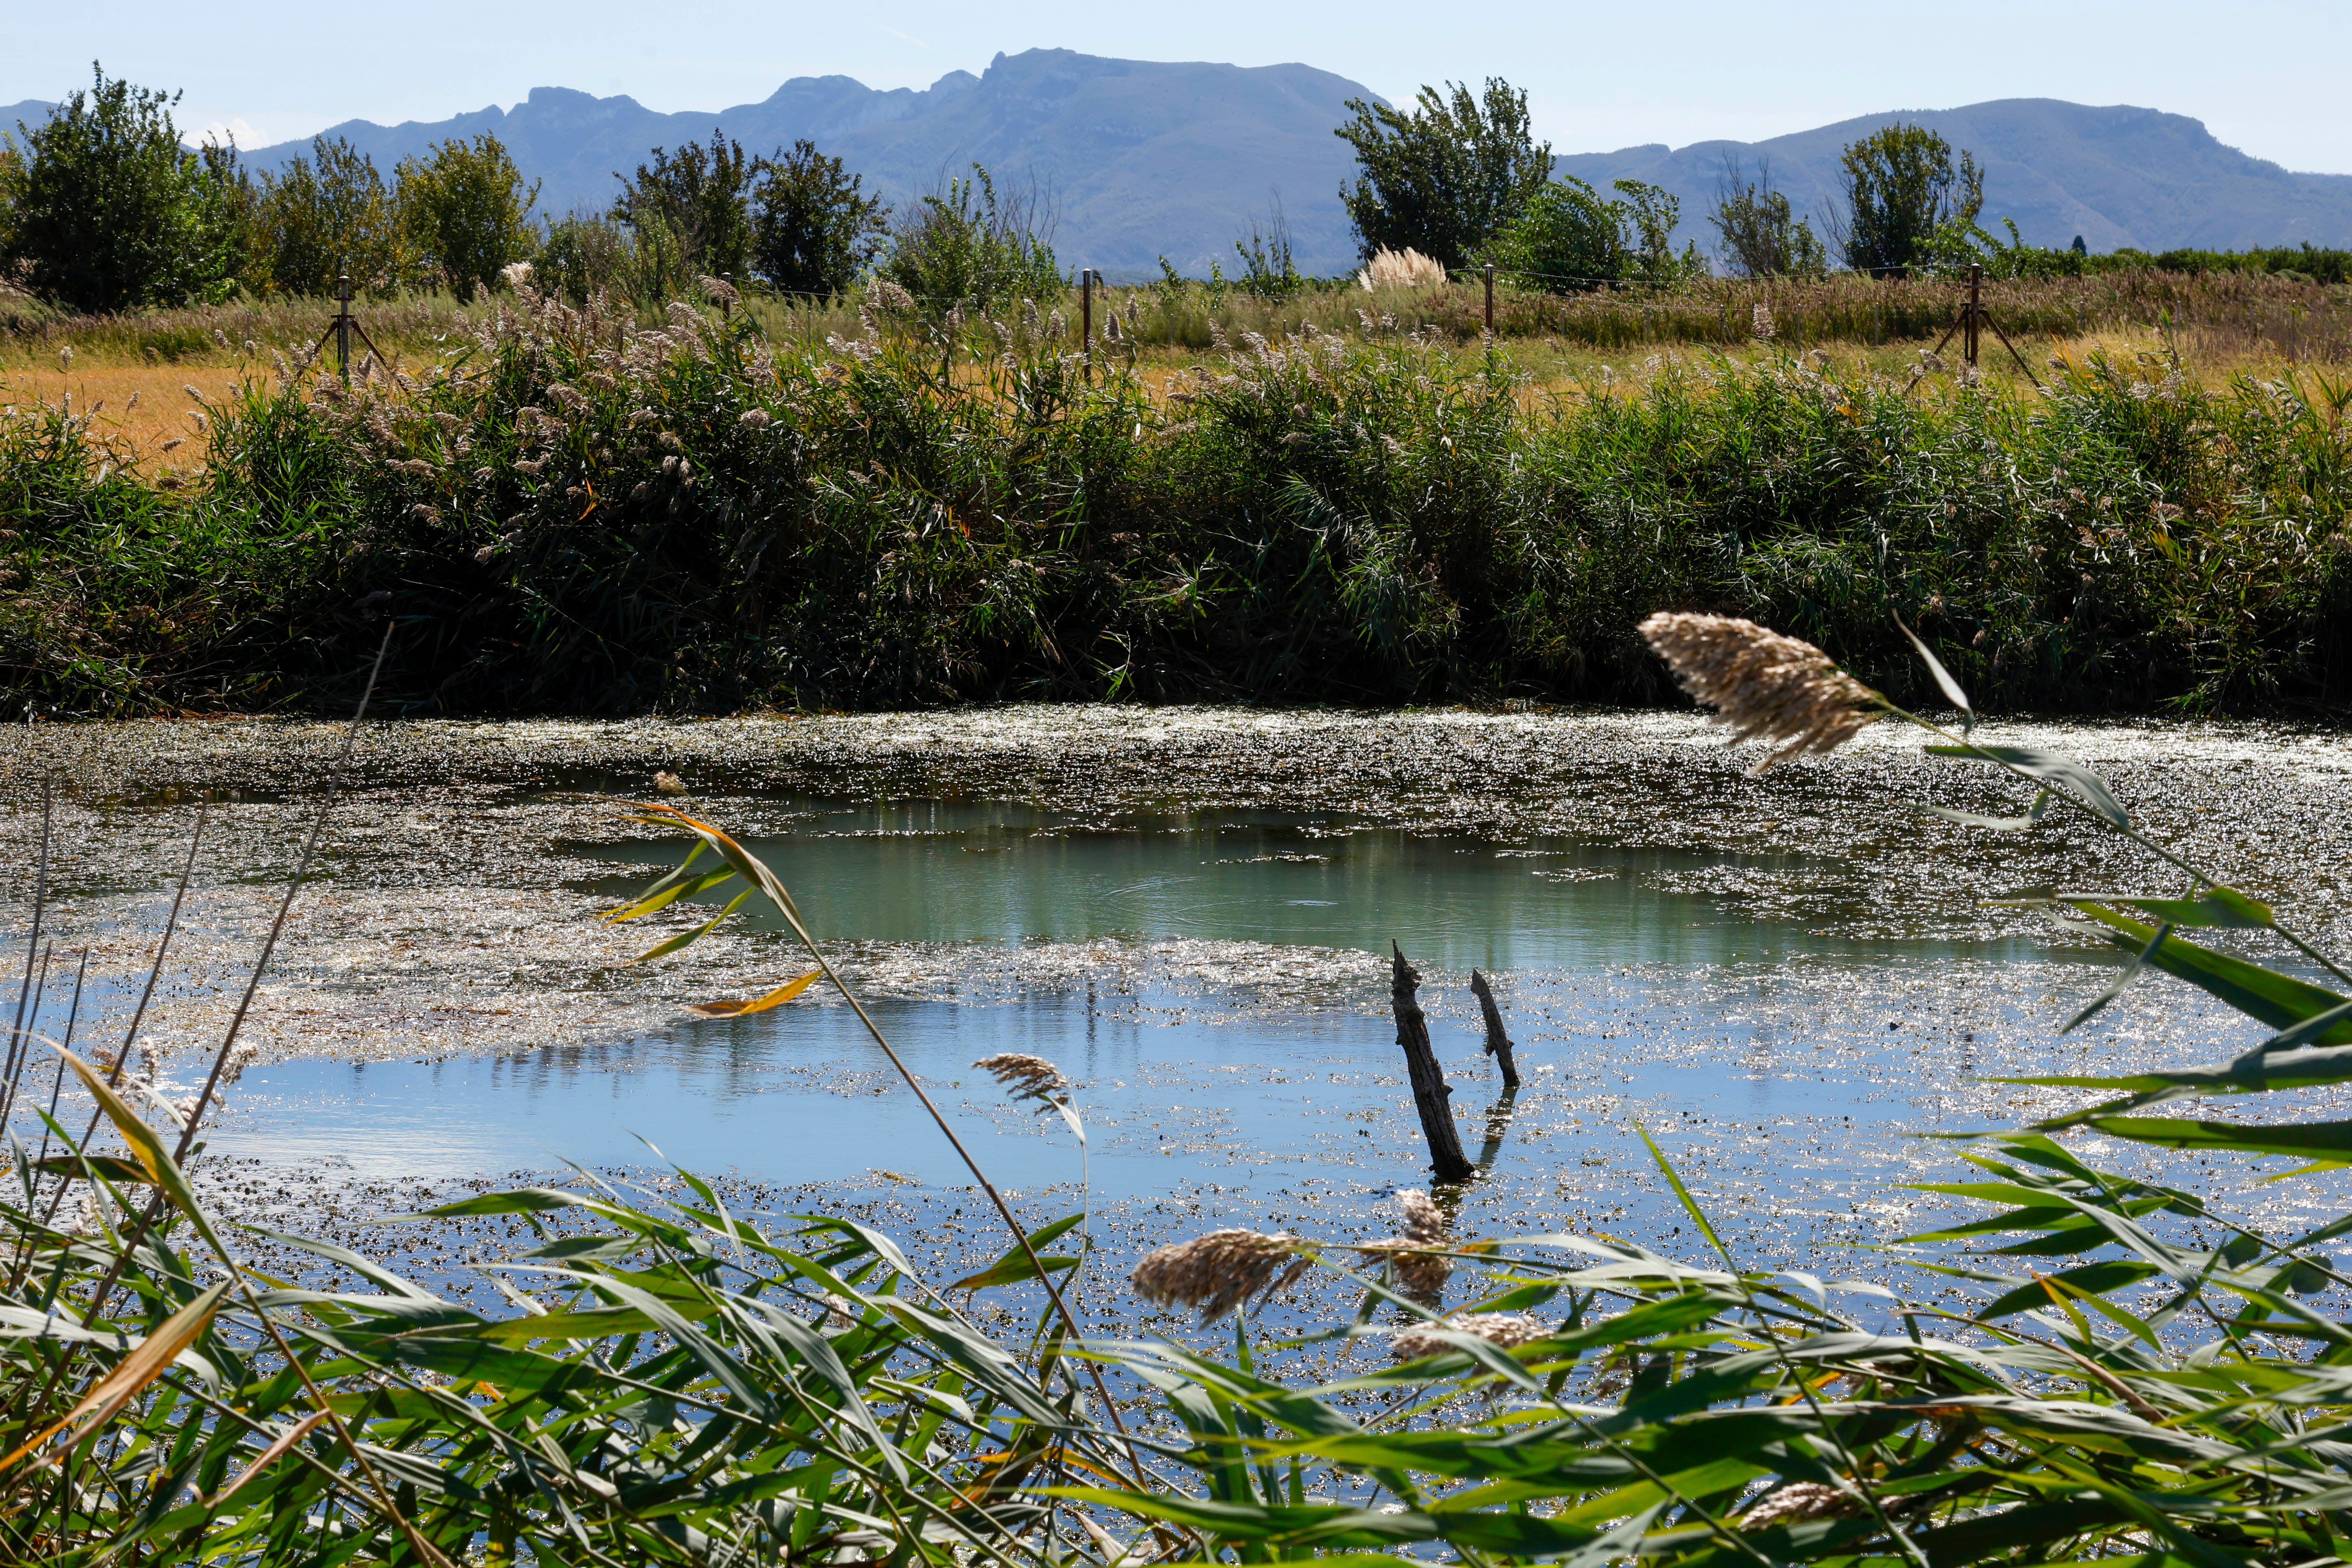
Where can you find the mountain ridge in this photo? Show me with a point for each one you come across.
(1138, 158)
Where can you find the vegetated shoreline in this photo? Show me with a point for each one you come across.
(572, 513)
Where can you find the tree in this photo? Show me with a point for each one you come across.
(969, 246)
(814, 230)
(1445, 177)
(327, 216)
(107, 210)
(464, 211)
(695, 205)
(1900, 188)
(1568, 238)
(1762, 238)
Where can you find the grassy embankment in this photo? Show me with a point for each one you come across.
(575, 512)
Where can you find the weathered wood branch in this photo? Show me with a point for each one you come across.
(1499, 1043)
(1429, 1090)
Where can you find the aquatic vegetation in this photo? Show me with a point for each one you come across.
(571, 512)
(677, 1383)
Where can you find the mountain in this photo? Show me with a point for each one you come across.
(29, 114)
(1135, 158)
(1138, 158)
(2117, 176)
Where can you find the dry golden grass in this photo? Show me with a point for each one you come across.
(142, 404)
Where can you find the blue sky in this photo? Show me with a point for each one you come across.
(2264, 75)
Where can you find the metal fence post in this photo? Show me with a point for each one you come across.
(1086, 316)
(1490, 301)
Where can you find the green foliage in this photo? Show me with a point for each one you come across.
(1568, 239)
(677, 1385)
(1761, 235)
(571, 513)
(1445, 176)
(1901, 187)
(466, 212)
(105, 210)
(814, 230)
(690, 216)
(1268, 271)
(328, 216)
(584, 253)
(970, 247)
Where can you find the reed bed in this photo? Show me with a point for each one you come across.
(567, 510)
(2240, 314)
(2122, 1370)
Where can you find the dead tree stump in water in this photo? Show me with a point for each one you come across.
(1499, 1043)
(1429, 1090)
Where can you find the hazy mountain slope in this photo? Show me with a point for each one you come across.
(2117, 176)
(1138, 157)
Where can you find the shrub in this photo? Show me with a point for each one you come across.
(466, 212)
(690, 214)
(814, 230)
(1761, 237)
(969, 248)
(1568, 239)
(328, 216)
(106, 210)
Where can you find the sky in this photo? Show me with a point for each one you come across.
(2262, 74)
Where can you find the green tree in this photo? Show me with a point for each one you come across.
(107, 210)
(1568, 238)
(814, 230)
(465, 211)
(1445, 177)
(972, 245)
(1761, 235)
(586, 252)
(694, 204)
(1901, 187)
(329, 215)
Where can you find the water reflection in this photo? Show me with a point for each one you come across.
(1005, 872)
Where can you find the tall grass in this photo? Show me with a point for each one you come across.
(571, 511)
(2225, 311)
(2129, 1370)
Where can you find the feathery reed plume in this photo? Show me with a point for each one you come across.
(1759, 322)
(669, 783)
(515, 273)
(1764, 685)
(65, 357)
(720, 291)
(1796, 1502)
(1406, 269)
(1027, 1078)
(1507, 1330)
(1419, 1269)
(1216, 1272)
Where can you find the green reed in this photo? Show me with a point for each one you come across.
(675, 1383)
(568, 510)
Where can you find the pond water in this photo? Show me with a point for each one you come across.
(1783, 980)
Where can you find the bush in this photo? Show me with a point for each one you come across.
(106, 210)
(1567, 240)
(968, 248)
(466, 212)
(1445, 177)
(1761, 237)
(328, 216)
(690, 214)
(814, 230)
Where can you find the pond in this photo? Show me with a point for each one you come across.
(1783, 980)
